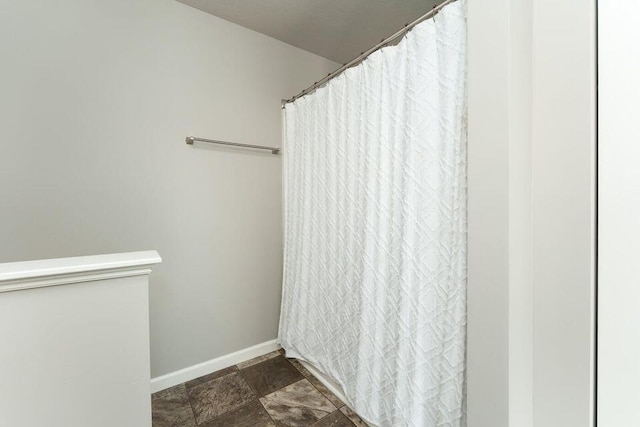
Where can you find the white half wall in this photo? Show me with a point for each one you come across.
(618, 213)
(75, 341)
(96, 100)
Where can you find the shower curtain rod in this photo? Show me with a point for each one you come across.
(363, 55)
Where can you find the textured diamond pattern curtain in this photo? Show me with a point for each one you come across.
(374, 291)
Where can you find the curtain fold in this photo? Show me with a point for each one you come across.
(374, 289)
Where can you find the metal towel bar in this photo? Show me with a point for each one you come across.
(191, 139)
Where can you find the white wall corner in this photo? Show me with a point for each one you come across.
(500, 358)
(520, 287)
(488, 215)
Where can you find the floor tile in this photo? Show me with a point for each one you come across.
(290, 396)
(300, 367)
(336, 419)
(250, 415)
(317, 383)
(325, 391)
(297, 405)
(213, 376)
(271, 375)
(171, 408)
(359, 422)
(219, 396)
(258, 359)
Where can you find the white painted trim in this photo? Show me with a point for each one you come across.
(564, 211)
(16, 276)
(67, 279)
(192, 372)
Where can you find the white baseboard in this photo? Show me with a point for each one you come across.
(192, 372)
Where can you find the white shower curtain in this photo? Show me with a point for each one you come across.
(375, 228)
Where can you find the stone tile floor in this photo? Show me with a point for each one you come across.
(268, 391)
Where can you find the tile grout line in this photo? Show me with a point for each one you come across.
(304, 377)
(322, 394)
(235, 409)
(256, 394)
(255, 391)
(302, 371)
(314, 386)
(330, 413)
(343, 403)
(268, 413)
(186, 389)
(193, 412)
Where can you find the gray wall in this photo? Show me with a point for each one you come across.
(96, 100)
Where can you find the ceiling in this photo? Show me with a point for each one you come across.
(335, 29)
